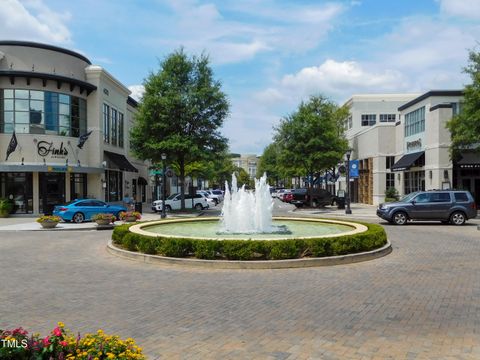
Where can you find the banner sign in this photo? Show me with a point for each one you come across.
(354, 168)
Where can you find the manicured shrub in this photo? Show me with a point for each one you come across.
(149, 245)
(373, 238)
(119, 232)
(131, 241)
(206, 249)
(176, 247)
(285, 249)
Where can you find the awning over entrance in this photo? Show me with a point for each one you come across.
(142, 181)
(120, 161)
(406, 161)
(469, 160)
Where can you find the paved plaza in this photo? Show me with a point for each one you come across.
(419, 302)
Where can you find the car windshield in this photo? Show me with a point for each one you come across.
(171, 197)
(409, 197)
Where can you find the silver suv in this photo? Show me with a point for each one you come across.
(448, 206)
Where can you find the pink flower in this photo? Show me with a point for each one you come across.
(57, 331)
(46, 341)
(63, 343)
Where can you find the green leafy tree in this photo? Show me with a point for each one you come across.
(465, 127)
(180, 114)
(312, 138)
(269, 163)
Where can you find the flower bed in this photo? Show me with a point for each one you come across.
(375, 237)
(61, 344)
(130, 216)
(49, 218)
(104, 219)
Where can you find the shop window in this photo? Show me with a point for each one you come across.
(414, 181)
(114, 189)
(389, 161)
(415, 122)
(40, 112)
(78, 186)
(390, 180)
(369, 119)
(18, 187)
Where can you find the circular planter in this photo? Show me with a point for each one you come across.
(103, 222)
(49, 224)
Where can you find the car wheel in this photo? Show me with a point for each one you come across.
(199, 206)
(457, 218)
(168, 208)
(334, 203)
(78, 218)
(400, 218)
(314, 203)
(215, 201)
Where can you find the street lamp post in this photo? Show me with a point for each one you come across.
(164, 157)
(347, 190)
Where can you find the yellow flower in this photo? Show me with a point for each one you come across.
(61, 324)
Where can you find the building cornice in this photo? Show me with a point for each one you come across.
(430, 94)
(45, 47)
(83, 85)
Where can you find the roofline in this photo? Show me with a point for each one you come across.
(132, 102)
(429, 94)
(44, 46)
(12, 74)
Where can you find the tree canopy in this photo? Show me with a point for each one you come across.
(465, 126)
(180, 114)
(312, 138)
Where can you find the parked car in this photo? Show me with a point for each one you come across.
(215, 195)
(319, 197)
(211, 201)
(286, 195)
(173, 202)
(278, 193)
(81, 210)
(448, 206)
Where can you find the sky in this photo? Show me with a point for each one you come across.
(269, 55)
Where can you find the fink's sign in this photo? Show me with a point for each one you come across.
(45, 148)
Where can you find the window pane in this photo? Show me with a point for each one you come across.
(64, 120)
(21, 105)
(65, 99)
(36, 105)
(22, 128)
(36, 95)
(51, 121)
(22, 117)
(36, 117)
(8, 94)
(8, 128)
(75, 132)
(22, 94)
(64, 109)
(8, 104)
(64, 131)
(8, 117)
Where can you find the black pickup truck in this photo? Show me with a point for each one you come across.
(320, 197)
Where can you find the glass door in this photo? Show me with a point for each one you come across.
(52, 191)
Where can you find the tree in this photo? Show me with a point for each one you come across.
(269, 163)
(465, 126)
(312, 137)
(180, 114)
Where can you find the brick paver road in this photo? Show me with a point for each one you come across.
(420, 302)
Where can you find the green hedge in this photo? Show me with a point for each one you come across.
(373, 238)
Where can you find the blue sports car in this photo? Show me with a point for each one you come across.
(84, 209)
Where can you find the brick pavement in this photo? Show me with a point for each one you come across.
(419, 302)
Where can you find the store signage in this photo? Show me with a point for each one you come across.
(414, 145)
(45, 148)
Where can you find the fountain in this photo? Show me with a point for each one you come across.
(245, 212)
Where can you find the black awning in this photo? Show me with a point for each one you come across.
(406, 161)
(469, 160)
(142, 181)
(120, 161)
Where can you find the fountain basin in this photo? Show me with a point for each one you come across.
(207, 229)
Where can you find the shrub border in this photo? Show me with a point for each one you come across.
(374, 238)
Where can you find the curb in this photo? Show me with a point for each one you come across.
(260, 264)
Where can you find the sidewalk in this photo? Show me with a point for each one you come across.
(358, 211)
(28, 223)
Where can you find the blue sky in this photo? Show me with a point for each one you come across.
(268, 54)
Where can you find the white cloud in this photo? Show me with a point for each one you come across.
(469, 9)
(337, 80)
(34, 21)
(258, 27)
(137, 91)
